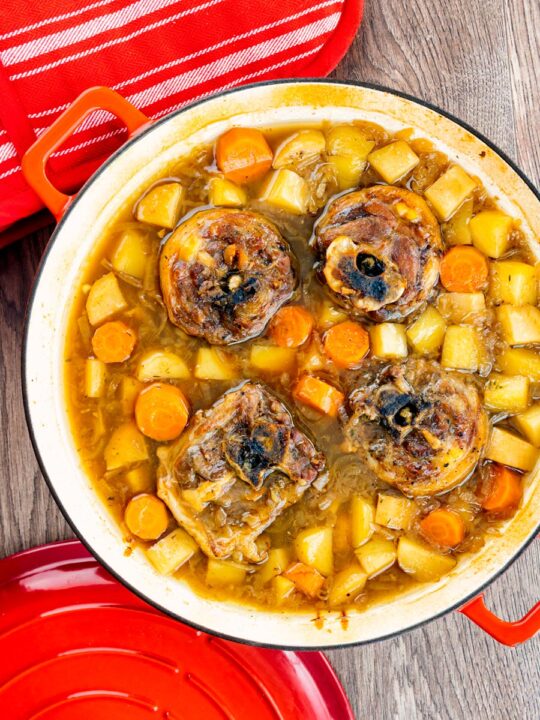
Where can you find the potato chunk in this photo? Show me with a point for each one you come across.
(457, 230)
(329, 315)
(271, 359)
(161, 205)
(282, 588)
(213, 364)
(513, 282)
(94, 378)
(490, 231)
(299, 148)
(314, 548)
(508, 449)
(172, 551)
(130, 387)
(131, 253)
(277, 562)
(507, 393)
(287, 190)
(393, 161)
(126, 446)
(395, 512)
(376, 556)
(221, 573)
(362, 517)
(462, 348)
(420, 561)
(458, 307)
(528, 423)
(520, 361)
(426, 334)
(347, 585)
(105, 299)
(519, 325)
(162, 364)
(388, 341)
(450, 191)
(348, 148)
(138, 479)
(224, 193)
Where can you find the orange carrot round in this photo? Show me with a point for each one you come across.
(346, 344)
(464, 269)
(243, 155)
(146, 516)
(501, 492)
(443, 527)
(161, 411)
(319, 395)
(113, 342)
(291, 326)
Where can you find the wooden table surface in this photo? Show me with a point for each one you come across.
(478, 59)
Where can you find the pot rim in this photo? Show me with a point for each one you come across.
(24, 360)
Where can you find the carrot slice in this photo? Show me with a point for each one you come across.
(443, 527)
(346, 344)
(243, 155)
(319, 395)
(501, 491)
(464, 269)
(307, 579)
(161, 411)
(146, 516)
(113, 342)
(291, 326)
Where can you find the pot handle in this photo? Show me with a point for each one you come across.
(507, 633)
(35, 159)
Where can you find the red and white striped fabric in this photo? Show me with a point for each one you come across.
(160, 54)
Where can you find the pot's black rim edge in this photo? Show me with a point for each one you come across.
(30, 305)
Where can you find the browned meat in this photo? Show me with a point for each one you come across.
(238, 466)
(224, 274)
(379, 250)
(417, 427)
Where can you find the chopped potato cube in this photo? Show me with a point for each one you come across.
(213, 364)
(161, 205)
(421, 561)
(162, 364)
(528, 423)
(347, 170)
(314, 548)
(513, 282)
(330, 315)
(509, 449)
(287, 190)
(520, 325)
(299, 148)
(94, 378)
(221, 573)
(426, 334)
(507, 393)
(362, 517)
(376, 556)
(395, 512)
(349, 140)
(490, 231)
(225, 193)
(277, 562)
(462, 348)
(105, 299)
(347, 585)
(388, 340)
(448, 193)
(282, 588)
(172, 551)
(394, 161)
(139, 479)
(131, 253)
(461, 307)
(520, 361)
(272, 359)
(457, 230)
(130, 387)
(126, 446)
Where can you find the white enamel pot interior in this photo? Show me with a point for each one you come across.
(77, 237)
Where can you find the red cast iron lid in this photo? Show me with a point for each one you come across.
(75, 644)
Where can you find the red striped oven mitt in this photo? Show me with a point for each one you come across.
(159, 54)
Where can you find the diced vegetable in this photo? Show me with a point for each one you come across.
(376, 556)
(138, 479)
(213, 364)
(314, 548)
(131, 253)
(457, 307)
(490, 231)
(161, 411)
(395, 512)
(347, 344)
(513, 282)
(224, 193)
(306, 579)
(394, 161)
(426, 334)
(520, 361)
(282, 588)
(287, 190)
(388, 340)
(507, 393)
(312, 358)
(464, 270)
(172, 551)
(347, 585)
(126, 446)
(161, 205)
(319, 395)
(448, 192)
(105, 299)
(528, 423)
(342, 535)
(271, 359)
(462, 348)
(130, 387)
(162, 365)
(519, 325)
(299, 148)
(420, 561)
(348, 170)
(501, 490)
(347, 150)
(456, 230)
(443, 527)
(508, 449)
(243, 155)
(362, 517)
(277, 562)
(220, 573)
(94, 378)
(330, 315)
(114, 341)
(291, 326)
(146, 516)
